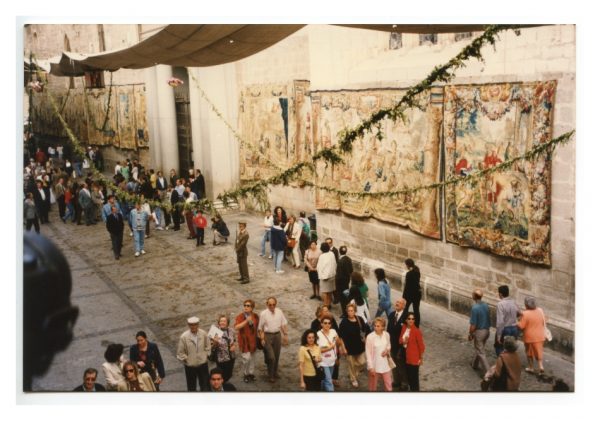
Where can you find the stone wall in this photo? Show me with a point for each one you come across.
(339, 58)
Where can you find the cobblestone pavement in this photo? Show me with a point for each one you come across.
(158, 291)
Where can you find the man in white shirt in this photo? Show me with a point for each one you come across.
(267, 224)
(272, 326)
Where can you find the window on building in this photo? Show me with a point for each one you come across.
(428, 39)
(94, 80)
(462, 35)
(395, 41)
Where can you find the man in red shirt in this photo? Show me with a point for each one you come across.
(200, 223)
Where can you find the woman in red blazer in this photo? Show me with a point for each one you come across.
(412, 341)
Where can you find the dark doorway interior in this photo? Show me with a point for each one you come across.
(184, 128)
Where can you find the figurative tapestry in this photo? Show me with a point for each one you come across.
(276, 124)
(126, 125)
(407, 156)
(85, 111)
(508, 212)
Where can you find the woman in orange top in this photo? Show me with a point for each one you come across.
(532, 324)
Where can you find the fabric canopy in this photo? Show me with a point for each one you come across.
(180, 45)
(209, 45)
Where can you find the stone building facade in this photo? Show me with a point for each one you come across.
(337, 58)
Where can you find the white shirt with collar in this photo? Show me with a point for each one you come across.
(271, 322)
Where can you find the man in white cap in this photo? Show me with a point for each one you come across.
(193, 350)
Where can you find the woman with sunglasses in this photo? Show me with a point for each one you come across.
(330, 344)
(135, 381)
(246, 324)
(309, 357)
(412, 341)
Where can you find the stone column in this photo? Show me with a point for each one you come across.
(216, 151)
(152, 111)
(165, 120)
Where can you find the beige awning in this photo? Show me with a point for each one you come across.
(180, 45)
(210, 45)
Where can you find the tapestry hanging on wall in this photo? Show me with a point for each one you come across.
(126, 126)
(264, 124)
(407, 156)
(508, 212)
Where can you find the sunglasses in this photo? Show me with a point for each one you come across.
(247, 305)
(131, 370)
(325, 323)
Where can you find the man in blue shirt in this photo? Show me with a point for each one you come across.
(479, 329)
(138, 219)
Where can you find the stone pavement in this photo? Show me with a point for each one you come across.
(157, 292)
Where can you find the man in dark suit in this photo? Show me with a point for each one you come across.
(342, 278)
(41, 198)
(115, 225)
(89, 382)
(394, 326)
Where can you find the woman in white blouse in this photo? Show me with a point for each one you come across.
(330, 344)
(113, 367)
(326, 267)
(377, 351)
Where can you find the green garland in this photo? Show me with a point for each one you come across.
(442, 73)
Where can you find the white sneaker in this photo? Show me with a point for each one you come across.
(270, 257)
(130, 234)
(261, 255)
(143, 252)
(137, 254)
(279, 271)
(159, 228)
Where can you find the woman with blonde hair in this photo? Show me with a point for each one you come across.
(377, 351)
(135, 381)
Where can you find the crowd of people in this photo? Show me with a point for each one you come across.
(388, 345)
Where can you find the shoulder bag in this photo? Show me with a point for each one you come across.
(547, 332)
(320, 371)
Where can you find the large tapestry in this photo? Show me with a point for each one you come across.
(276, 125)
(508, 212)
(85, 112)
(264, 124)
(126, 125)
(407, 156)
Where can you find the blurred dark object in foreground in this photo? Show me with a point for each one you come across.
(48, 316)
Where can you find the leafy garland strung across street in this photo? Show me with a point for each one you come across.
(239, 138)
(442, 73)
(122, 195)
